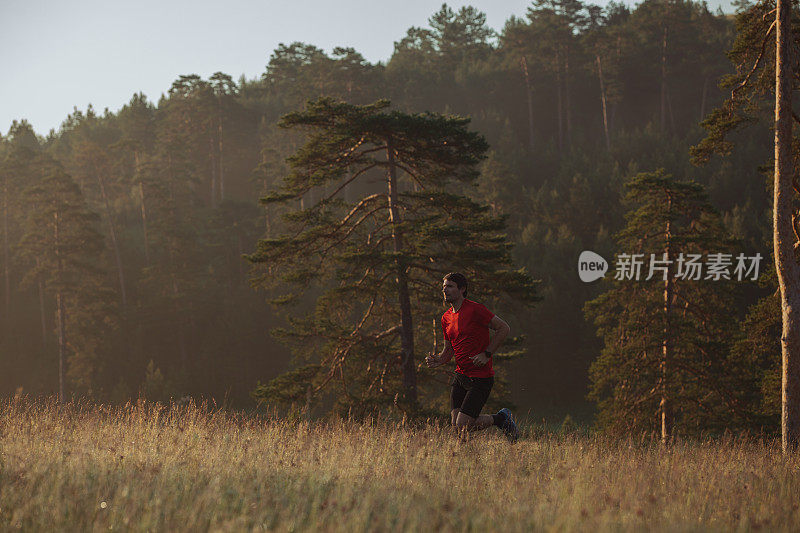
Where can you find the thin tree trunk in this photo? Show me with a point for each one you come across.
(666, 349)
(671, 114)
(407, 333)
(664, 81)
(603, 100)
(60, 322)
(213, 172)
(783, 235)
(143, 211)
(42, 312)
(62, 344)
(567, 101)
(221, 172)
(114, 243)
(175, 292)
(703, 98)
(528, 92)
(6, 256)
(144, 226)
(560, 104)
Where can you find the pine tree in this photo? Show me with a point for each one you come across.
(665, 366)
(62, 247)
(768, 74)
(379, 259)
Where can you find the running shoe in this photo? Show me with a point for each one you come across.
(508, 426)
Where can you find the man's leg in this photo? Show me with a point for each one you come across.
(464, 422)
(457, 394)
(470, 419)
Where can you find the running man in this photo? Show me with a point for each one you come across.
(466, 328)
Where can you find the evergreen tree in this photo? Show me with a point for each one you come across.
(765, 75)
(665, 364)
(378, 259)
(62, 247)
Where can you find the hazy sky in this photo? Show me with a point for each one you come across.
(59, 54)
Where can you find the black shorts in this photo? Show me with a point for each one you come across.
(470, 394)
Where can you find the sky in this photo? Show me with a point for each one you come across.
(62, 54)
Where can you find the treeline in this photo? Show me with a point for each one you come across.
(123, 233)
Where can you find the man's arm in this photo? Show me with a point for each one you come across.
(501, 329)
(441, 358)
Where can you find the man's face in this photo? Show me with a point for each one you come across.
(451, 291)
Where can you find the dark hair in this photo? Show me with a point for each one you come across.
(459, 279)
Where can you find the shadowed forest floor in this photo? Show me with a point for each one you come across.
(148, 467)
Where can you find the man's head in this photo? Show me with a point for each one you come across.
(454, 287)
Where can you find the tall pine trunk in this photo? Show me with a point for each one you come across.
(568, 105)
(407, 332)
(112, 230)
(221, 172)
(211, 151)
(560, 103)
(663, 121)
(703, 98)
(528, 92)
(143, 210)
(783, 235)
(666, 348)
(603, 101)
(42, 311)
(6, 256)
(62, 343)
(60, 320)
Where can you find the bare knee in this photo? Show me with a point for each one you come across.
(454, 416)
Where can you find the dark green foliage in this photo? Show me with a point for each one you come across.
(704, 387)
(182, 175)
(348, 250)
(61, 249)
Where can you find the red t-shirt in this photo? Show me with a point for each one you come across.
(468, 332)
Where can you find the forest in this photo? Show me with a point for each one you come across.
(234, 240)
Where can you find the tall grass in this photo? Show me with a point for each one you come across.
(148, 467)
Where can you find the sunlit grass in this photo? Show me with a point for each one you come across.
(82, 468)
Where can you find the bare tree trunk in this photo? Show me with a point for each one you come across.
(528, 92)
(114, 243)
(221, 172)
(213, 173)
(671, 114)
(666, 348)
(143, 211)
(60, 322)
(42, 312)
(560, 104)
(664, 81)
(407, 333)
(62, 344)
(615, 105)
(603, 100)
(784, 241)
(703, 98)
(6, 256)
(567, 100)
(144, 226)
(175, 291)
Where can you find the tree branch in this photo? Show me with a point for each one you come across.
(758, 62)
(347, 182)
(413, 176)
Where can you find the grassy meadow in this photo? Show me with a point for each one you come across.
(149, 467)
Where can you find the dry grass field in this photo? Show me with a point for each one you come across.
(95, 468)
